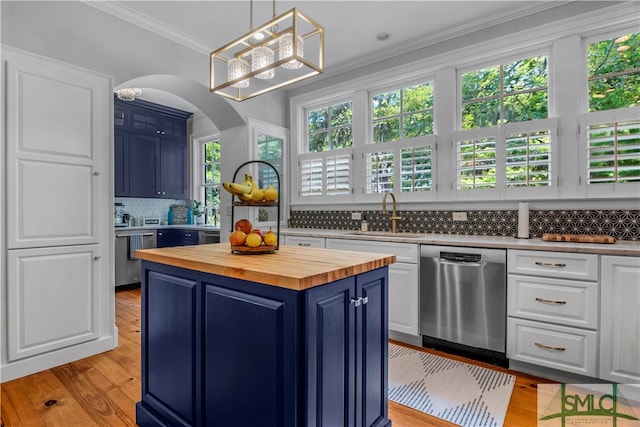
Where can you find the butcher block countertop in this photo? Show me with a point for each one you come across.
(289, 267)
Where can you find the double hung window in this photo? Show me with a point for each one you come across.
(612, 125)
(505, 137)
(208, 177)
(399, 156)
(326, 164)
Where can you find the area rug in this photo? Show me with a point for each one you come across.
(463, 394)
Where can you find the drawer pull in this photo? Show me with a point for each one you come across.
(550, 264)
(549, 301)
(304, 244)
(549, 347)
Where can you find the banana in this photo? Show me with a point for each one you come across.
(245, 188)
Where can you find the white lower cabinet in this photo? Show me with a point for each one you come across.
(552, 307)
(52, 299)
(404, 298)
(620, 319)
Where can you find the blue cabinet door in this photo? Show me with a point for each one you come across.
(170, 339)
(171, 178)
(250, 355)
(121, 163)
(372, 349)
(143, 150)
(331, 356)
(347, 361)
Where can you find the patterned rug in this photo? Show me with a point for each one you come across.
(464, 394)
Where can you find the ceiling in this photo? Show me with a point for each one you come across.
(130, 39)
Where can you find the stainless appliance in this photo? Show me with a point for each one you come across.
(208, 236)
(463, 299)
(127, 267)
(119, 215)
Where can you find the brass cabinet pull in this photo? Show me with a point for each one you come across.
(550, 264)
(549, 347)
(549, 301)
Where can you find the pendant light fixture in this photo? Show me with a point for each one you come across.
(247, 66)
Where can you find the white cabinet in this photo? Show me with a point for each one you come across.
(552, 308)
(48, 306)
(620, 322)
(308, 242)
(404, 287)
(57, 289)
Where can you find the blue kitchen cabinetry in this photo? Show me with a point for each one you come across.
(166, 237)
(220, 351)
(150, 150)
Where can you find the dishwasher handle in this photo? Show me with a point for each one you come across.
(460, 258)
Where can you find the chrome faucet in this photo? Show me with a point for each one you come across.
(394, 214)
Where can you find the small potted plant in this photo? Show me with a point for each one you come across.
(198, 212)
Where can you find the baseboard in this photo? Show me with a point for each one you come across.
(552, 374)
(41, 362)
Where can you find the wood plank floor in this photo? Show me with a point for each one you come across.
(102, 390)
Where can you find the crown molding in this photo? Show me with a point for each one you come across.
(126, 13)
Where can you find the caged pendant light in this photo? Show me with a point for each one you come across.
(285, 50)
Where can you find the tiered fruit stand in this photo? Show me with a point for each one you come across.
(237, 202)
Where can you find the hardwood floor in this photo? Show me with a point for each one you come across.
(102, 390)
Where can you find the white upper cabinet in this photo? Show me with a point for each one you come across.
(55, 126)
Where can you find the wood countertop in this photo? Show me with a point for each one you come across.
(291, 267)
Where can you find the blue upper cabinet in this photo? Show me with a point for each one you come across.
(150, 150)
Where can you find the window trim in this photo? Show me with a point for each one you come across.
(197, 159)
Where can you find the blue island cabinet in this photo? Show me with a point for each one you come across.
(220, 351)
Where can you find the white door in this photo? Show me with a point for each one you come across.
(56, 129)
(52, 296)
(620, 319)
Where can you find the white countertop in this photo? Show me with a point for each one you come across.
(178, 226)
(621, 247)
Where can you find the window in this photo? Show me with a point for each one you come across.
(330, 128)
(325, 168)
(506, 137)
(402, 140)
(403, 113)
(614, 72)
(505, 93)
(268, 144)
(208, 189)
(612, 134)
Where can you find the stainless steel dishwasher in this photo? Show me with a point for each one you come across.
(463, 299)
(126, 266)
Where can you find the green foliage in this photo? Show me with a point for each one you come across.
(403, 113)
(330, 128)
(507, 93)
(614, 73)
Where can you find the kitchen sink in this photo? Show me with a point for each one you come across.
(385, 234)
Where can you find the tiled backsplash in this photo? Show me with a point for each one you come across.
(148, 208)
(621, 224)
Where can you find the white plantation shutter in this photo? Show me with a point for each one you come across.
(613, 152)
(380, 169)
(476, 163)
(311, 177)
(528, 160)
(338, 175)
(325, 174)
(416, 169)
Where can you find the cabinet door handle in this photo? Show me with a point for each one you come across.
(96, 174)
(550, 264)
(364, 300)
(304, 244)
(549, 301)
(96, 258)
(549, 347)
(187, 234)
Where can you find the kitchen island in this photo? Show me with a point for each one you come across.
(292, 338)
